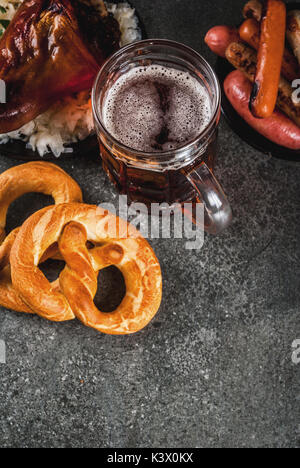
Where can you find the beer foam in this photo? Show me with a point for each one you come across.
(156, 108)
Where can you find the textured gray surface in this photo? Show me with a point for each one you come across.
(214, 368)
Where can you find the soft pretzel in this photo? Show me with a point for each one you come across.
(137, 263)
(116, 243)
(41, 177)
(9, 297)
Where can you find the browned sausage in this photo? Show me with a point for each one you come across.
(253, 9)
(250, 32)
(219, 38)
(277, 128)
(270, 54)
(244, 59)
(293, 31)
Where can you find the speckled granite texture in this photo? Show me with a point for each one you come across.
(214, 368)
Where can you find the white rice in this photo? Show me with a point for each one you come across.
(69, 120)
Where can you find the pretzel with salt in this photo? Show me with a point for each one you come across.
(115, 243)
(41, 177)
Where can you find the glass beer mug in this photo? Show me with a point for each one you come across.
(176, 176)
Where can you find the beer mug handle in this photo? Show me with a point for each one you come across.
(217, 210)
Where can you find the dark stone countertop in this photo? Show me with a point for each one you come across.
(214, 368)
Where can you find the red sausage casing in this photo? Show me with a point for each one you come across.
(220, 37)
(277, 128)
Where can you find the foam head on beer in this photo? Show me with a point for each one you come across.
(155, 108)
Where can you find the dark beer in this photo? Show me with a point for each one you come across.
(156, 107)
(153, 110)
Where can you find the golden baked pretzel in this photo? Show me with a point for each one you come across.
(41, 177)
(78, 281)
(116, 243)
(9, 297)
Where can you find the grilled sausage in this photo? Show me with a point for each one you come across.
(270, 54)
(253, 9)
(244, 59)
(293, 31)
(219, 38)
(250, 32)
(277, 128)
